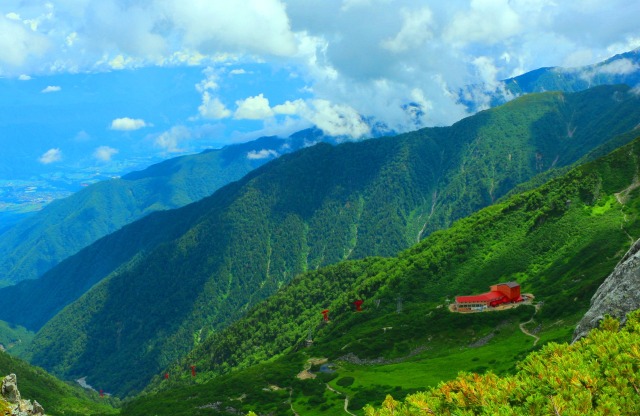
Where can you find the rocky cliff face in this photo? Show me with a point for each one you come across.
(618, 295)
(15, 405)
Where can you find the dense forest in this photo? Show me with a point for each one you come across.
(316, 207)
(548, 239)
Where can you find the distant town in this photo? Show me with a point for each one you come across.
(19, 198)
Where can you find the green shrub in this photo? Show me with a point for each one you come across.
(345, 381)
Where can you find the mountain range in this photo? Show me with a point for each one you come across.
(623, 68)
(65, 226)
(222, 262)
(173, 278)
(549, 239)
(34, 245)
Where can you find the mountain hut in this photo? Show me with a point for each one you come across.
(499, 294)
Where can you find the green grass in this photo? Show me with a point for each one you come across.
(443, 359)
(595, 375)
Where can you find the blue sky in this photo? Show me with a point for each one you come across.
(86, 83)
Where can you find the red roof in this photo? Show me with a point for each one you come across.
(485, 297)
(510, 284)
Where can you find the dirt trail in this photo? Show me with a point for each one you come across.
(346, 398)
(306, 374)
(524, 330)
(291, 403)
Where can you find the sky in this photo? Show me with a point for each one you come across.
(91, 81)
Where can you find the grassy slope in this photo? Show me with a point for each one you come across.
(315, 207)
(550, 240)
(596, 375)
(57, 397)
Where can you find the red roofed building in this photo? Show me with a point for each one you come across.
(499, 294)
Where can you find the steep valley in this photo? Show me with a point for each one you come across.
(193, 271)
(549, 240)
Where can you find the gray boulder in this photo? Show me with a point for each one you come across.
(19, 407)
(618, 295)
(10, 389)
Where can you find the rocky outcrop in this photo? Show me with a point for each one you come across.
(18, 406)
(618, 295)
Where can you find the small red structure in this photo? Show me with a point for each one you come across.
(193, 371)
(358, 304)
(501, 293)
(166, 376)
(101, 393)
(325, 314)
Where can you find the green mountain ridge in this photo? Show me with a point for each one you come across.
(38, 243)
(548, 239)
(607, 72)
(623, 68)
(65, 226)
(71, 279)
(315, 207)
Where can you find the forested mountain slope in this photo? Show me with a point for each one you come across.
(559, 241)
(623, 68)
(57, 397)
(318, 206)
(65, 226)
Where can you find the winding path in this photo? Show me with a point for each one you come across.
(524, 330)
(346, 399)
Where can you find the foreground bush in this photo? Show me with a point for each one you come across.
(599, 374)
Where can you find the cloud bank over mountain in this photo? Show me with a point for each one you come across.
(366, 57)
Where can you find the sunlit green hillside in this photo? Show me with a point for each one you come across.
(549, 239)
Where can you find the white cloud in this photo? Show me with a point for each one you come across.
(127, 124)
(253, 26)
(121, 62)
(82, 136)
(104, 153)
(618, 67)
(171, 141)
(262, 154)
(415, 30)
(13, 16)
(487, 70)
(486, 21)
(375, 58)
(253, 108)
(20, 46)
(290, 107)
(333, 119)
(212, 107)
(24, 77)
(51, 88)
(51, 156)
(210, 82)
